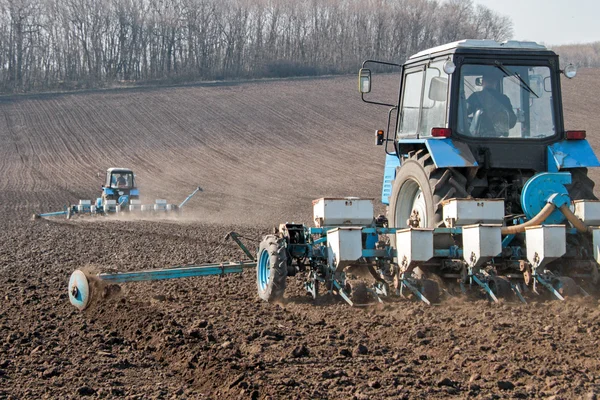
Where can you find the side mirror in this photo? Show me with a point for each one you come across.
(479, 81)
(364, 80)
(570, 71)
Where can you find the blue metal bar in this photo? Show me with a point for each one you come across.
(413, 289)
(321, 240)
(236, 238)
(447, 253)
(485, 286)
(549, 287)
(342, 292)
(190, 196)
(506, 241)
(52, 214)
(375, 253)
(381, 231)
(387, 231)
(176, 272)
(517, 291)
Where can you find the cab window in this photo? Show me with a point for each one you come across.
(122, 180)
(411, 101)
(435, 98)
(506, 101)
(424, 102)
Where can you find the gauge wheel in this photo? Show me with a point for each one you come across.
(271, 269)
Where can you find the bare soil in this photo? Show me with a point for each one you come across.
(262, 151)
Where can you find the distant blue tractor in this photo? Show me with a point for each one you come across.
(120, 194)
(119, 186)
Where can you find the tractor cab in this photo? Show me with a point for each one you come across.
(119, 186)
(119, 179)
(488, 112)
(499, 103)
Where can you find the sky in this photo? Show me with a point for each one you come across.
(552, 22)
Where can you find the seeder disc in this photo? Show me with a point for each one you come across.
(79, 290)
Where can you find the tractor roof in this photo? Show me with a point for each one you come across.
(115, 169)
(476, 44)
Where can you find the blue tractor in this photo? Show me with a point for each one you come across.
(120, 194)
(479, 119)
(119, 186)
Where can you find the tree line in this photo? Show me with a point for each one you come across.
(71, 44)
(582, 55)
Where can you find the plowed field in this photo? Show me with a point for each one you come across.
(262, 151)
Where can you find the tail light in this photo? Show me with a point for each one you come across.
(379, 137)
(575, 135)
(441, 132)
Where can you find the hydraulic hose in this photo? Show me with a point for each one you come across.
(573, 219)
(541, 217)
(537, 220)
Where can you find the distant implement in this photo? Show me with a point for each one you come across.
(119, 195)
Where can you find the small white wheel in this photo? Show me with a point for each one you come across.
(79, 290)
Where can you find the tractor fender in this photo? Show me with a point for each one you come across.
(571, 154)
(445, 153)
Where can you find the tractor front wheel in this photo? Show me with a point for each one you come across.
(271, 269)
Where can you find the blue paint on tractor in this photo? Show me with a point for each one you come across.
(371, 240)
(264, 269)
(444, 152)
(389, 174)
(99, 202)
(108, 191)
(123, 200)
(541, 189)
(134, 192)
(571, 154)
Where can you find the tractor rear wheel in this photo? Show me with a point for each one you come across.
(419, 190)
(271, 269)
(581, 187)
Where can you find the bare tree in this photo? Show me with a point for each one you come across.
(49, 44)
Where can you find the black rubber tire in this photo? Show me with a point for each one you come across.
(436, 184)
(581, 187)
(273, 248)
